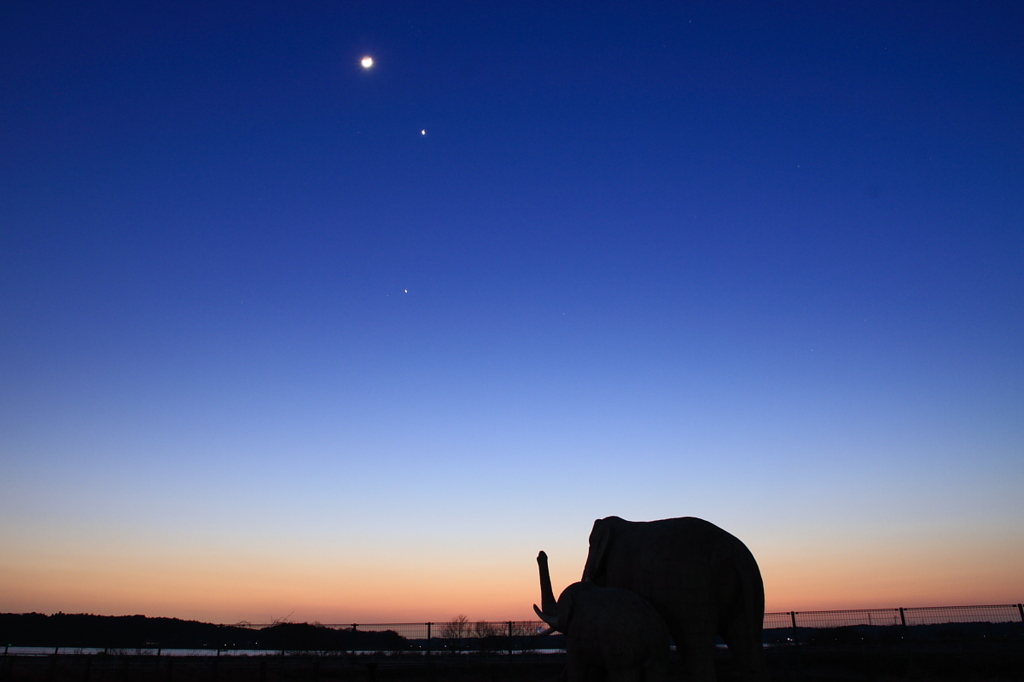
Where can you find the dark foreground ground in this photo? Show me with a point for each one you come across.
(951, 662)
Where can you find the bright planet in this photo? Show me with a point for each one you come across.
(367, 62)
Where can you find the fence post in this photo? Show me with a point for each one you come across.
(428, 640)
(510, 640)
(1020, 609)
(354, 626)
(796, 643)
(903, 618)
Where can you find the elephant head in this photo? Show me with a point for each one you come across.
(609, 633)
(558, 614)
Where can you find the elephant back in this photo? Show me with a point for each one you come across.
(676, 564)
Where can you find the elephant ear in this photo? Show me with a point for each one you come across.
(600, 541)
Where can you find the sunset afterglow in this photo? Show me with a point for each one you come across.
(342, 312)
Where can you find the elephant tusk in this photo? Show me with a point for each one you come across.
(552, 621)
(547, 632)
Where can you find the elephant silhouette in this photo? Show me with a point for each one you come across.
(610, 634)
(701, 580)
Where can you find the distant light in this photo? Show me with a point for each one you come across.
(423, 132)
(406, 291)
(367, 62)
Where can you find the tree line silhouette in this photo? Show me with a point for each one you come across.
(133, 632)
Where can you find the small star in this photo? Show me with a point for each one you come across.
(366, 61)
(423, 132)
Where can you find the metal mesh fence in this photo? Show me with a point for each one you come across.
(930, 615)
(777, 621)
(465, 637)
(847, 618)
(935, 615)
(452, 637)
(991, 623)
(462, 637)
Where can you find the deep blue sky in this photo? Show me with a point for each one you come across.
(756, 263)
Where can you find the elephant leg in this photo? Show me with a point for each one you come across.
(625, 675)
(747, 650)
(574, 667)
(699, 656)
(579, 668)
(655, 670)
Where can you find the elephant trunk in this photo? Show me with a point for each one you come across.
(547, 596)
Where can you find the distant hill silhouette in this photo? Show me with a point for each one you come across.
(84, 630)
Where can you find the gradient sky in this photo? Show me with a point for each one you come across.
(268, 350)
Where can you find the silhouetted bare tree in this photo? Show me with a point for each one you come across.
(455, 630)
(486, 634)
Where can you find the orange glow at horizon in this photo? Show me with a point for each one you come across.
(271, 589)
(428, 589)
(892, 573)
